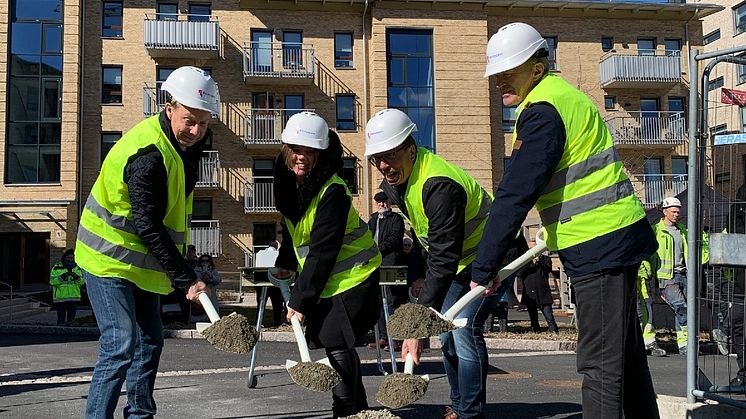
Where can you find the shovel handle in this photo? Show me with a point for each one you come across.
(204, 299)
(305, 355)
(409, 364)
(505, 272)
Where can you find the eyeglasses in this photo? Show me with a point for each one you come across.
(388, 156)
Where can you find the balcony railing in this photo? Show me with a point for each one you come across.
(278, 60)
(258, 195)
(176, 35)
(646, 69)
(647, 128)
(652, 189)
(205, 236)
(209, 170)
(154, 99)
(264, 126)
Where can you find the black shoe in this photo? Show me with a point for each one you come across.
(737, 385)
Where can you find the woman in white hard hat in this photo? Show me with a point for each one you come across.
(564, 162)
(337, 292)
(142, 198)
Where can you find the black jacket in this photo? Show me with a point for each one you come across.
(542, 133)
(445, 206)
(145, 175)
(535, 277)
(390, 237)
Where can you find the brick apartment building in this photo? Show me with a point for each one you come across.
(79, 73)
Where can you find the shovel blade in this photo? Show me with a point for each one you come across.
(425, 377)
(290, 364)
(201, 326)
(325, 361)
(460, 322)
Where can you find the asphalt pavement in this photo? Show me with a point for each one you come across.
(48, 376)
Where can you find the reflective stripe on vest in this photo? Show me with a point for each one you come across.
(108, 244)
(589, 194)
(665, 252)
(478, 202)
(358, 257)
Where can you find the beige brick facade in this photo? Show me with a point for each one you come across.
(468, 112)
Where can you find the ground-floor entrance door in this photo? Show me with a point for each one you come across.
(24, 260)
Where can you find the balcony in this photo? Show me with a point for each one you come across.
(258, 196)
(154, 99)
(647, 128)
(205, 236)
(209, 170)
(278, 63)
(263, 127)
(181, 36)
(652, 189)
(648, 69)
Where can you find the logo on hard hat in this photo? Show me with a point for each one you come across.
(371, 134)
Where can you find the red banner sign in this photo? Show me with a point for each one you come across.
(733, 97)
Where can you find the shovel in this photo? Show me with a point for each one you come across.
(316, 376)
(401, 389)
(478, 291)
(237, 336)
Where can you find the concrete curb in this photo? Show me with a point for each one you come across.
(266, 336)
(671, 407)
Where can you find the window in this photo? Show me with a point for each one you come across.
(610, 103)
(167, 11)
(263, 234)
(348, 173)
(715, 84)
(111, 84)
(409, 66)
(202, 209)
(293, 105)
(263, 167)
(552, 42)
(739, 19)
(719, 129)
(676, 105)
(292, 54)
(741, 71)
(346, 112)
(646, 46)
(743, 120)
(607, 43)
(108, 139)
(509, 117)
(161, 74)
(111, 25)
(672, 47)
(712, 36)
(343, 50)
(678, 166)
(199, 12)
(34, 94)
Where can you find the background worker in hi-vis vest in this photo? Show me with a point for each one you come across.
(564, 163)
(132, 239)
(447, 210)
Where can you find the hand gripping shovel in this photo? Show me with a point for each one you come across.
(316, 376)
(232, 333)
(401, 389)
(505, 272)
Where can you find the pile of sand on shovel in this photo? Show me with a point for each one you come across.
(415, 321)
(314, 376)
(373, 414)
(232, 333)
(399, 390)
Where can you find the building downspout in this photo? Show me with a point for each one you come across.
(366, 170)
(81, 108)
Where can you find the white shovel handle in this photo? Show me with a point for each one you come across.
(409, 364)
(505, 272)
(204, 299)
(305, 355)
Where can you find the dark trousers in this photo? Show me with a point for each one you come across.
(278, 304)
(737, 333)
(65, 311)
(610, 351)
(533, 315)
(348, 397)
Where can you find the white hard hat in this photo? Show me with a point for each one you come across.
(386, 130)
(511, 46)
(193, 87)
(670, 202)
(307, 129)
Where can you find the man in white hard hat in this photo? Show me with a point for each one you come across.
(132, 239)
(447, 210)
(668, 265)
(564, 163)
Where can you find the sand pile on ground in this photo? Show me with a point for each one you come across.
(373, 414)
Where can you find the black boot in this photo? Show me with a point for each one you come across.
(348, 397)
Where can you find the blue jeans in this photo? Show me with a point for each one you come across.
(674, 292)
(465, 354)
(129, 348)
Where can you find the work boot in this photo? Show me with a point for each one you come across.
(721, 339)
(682, 350)
(654, 350)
